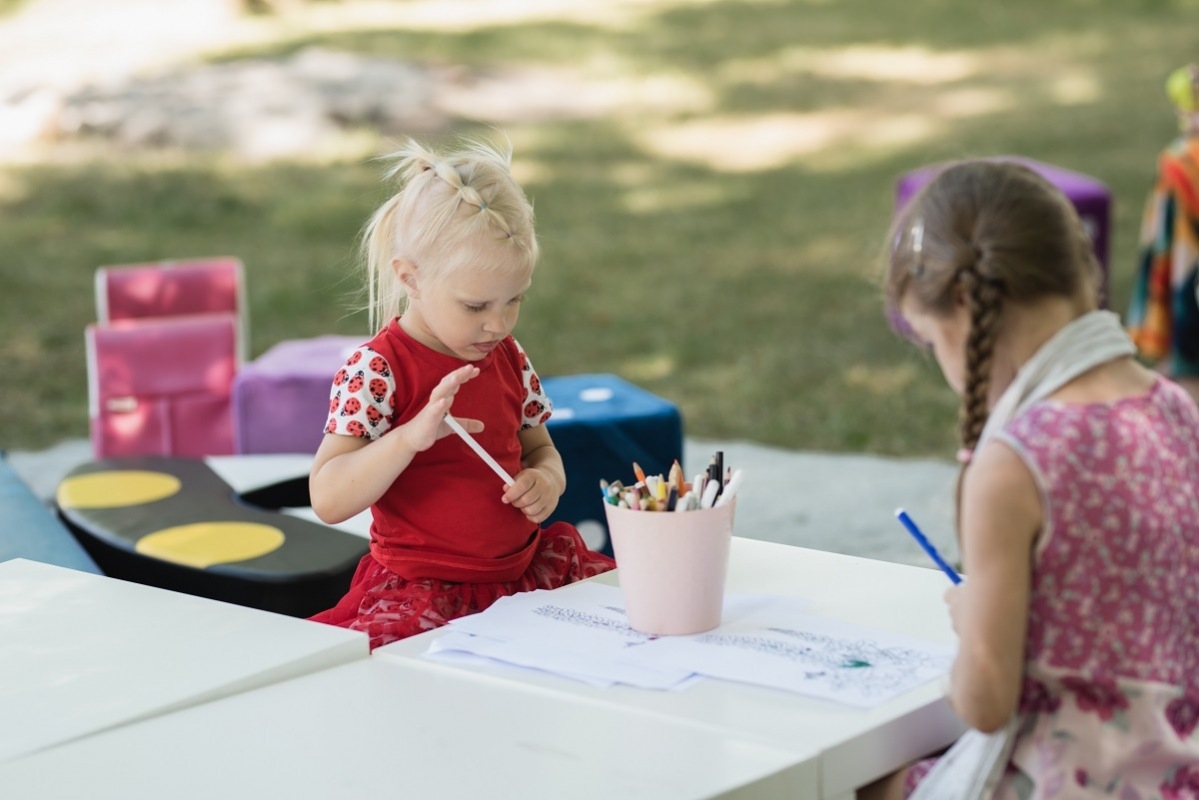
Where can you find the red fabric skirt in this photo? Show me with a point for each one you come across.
(388, 607)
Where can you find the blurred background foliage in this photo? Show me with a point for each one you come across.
(713, 182)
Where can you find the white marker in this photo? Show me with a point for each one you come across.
(478, 448)
(730, 489)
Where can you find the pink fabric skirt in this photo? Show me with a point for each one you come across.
(916, 773)
(388, 608)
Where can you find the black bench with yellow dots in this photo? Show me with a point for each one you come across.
(175, 524)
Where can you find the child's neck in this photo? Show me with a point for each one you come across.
(413, 325)
(1025, 330)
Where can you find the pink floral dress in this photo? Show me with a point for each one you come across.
(1111, 688)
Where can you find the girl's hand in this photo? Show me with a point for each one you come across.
(954, 599)
(535, 493)
(428, 426)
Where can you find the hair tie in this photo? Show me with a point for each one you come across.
(964, 455)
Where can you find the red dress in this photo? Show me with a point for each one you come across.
(443, 545)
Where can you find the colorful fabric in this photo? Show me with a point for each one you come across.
(1111, 693)
(443, 517)
(389, 607)
(916, 773)
(1163, 316)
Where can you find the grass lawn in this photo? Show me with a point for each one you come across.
(713, 238)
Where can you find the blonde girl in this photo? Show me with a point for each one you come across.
(449, 259)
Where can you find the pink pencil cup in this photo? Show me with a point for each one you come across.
(672, 566)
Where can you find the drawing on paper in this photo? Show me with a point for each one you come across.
(841, 663)
(590, 620)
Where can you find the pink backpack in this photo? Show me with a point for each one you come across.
(173, 288)
(162, 356)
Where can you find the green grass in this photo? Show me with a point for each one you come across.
(747, 297)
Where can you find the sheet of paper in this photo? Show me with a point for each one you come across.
(581, 632)
(533, 654)
(465, 649)
(782, 646)
(587, 618)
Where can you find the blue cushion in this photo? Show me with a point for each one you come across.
(601, 425)
(29, 529)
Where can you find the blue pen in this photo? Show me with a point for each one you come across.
(921, 540)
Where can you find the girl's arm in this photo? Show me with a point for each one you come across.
(541, 483)
(349, 474)
(1001, 515)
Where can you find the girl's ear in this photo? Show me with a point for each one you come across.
(406, 272)
(959, 295)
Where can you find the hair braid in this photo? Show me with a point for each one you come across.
(470, 194)
(985, 302)
(447, 173)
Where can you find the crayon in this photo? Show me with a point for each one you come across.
(676, 476)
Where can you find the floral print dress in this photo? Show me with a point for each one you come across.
(1110, 701)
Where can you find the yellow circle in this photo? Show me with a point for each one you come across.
(202, 544)
(116, 489)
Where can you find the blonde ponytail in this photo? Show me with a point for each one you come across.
(425, 223)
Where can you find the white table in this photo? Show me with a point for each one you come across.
(112, 689)
(854, 746)
(405, 729)
(81, 653)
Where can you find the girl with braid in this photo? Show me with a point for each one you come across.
(1078, 502)
(449, 259)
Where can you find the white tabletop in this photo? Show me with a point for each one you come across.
(385, 728)
(855, 745)
(246, 703)
(80, 653)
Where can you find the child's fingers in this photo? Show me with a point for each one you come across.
(470, 425)
(529, 495)
(448, 386)
(530, 499)
(459, 376)
(531, 505)
(517, 493)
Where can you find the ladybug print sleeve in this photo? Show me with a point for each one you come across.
(537, 406)
(361, 399)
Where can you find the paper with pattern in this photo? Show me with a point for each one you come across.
(581, 632)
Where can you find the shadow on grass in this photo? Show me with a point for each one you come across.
(745, 294)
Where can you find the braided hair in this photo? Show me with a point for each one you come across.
(453, 210)
(994, 233)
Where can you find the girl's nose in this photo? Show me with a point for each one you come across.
(501, 322)
(496, 323)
